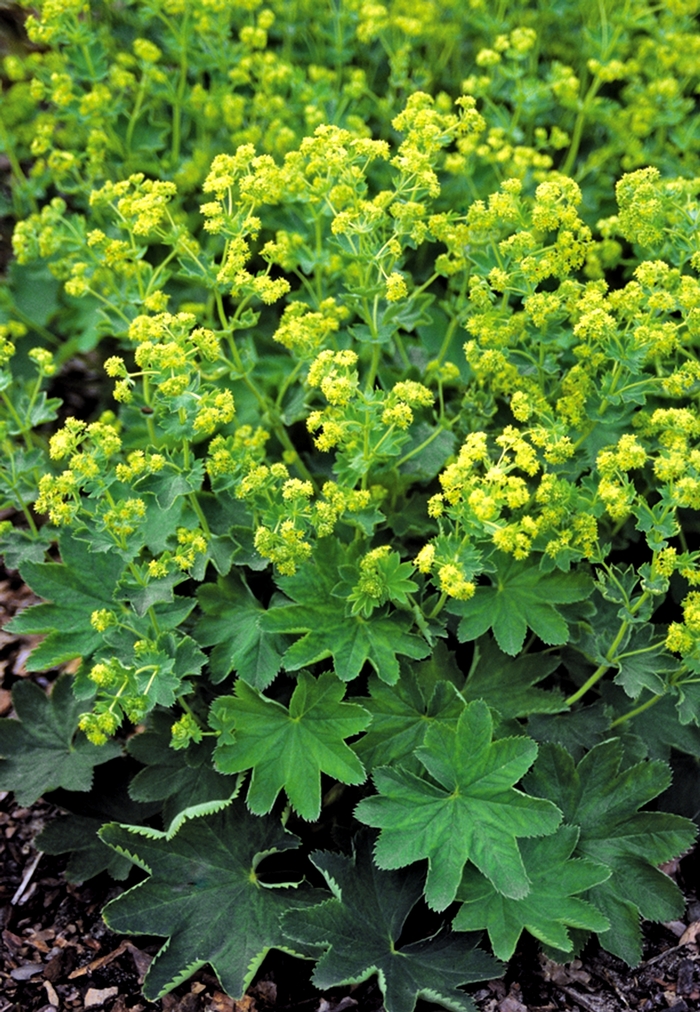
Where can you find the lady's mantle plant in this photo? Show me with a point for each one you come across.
(387, 514)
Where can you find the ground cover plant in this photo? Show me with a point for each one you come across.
(378, 543)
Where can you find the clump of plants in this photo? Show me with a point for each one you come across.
(383, 533)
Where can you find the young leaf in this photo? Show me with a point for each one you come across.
(82, 583)
(41, 750)
(184, 780)
(644, 662)
(231, 624)
(509, 685)
(402, 714)
(351, 642)
(549, 907)
(359, 929)
(329, 632)
(604, 802)
(205, 894)
(289, 748)
(521, 597)
(471, 813)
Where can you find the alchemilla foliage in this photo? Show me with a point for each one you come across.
(383, 512)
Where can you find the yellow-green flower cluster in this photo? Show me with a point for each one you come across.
(684, 637)
(615, 489)
(453, 572)
(9, 333)
(285, 509)
(230, 457)
(304, 331)
(676, 433)
(169, 350)
(90, 449)
(141, 204)
(484, 499)
(335, 374)
(191, 543)
(285, 546)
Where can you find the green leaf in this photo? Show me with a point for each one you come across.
(643, 663)
(35, 291)
(41, 750)
(185, 780)
(401, 716)
(577, 730)
(521, 597)
(352, 642)
(82, 583)
(361, 925)
(206, 895)
(18, 547)
(471, 813)
(327, 631)
(437, 446)
(231, 624)
(172, 481)
(661, 730)
(391, 583)
(508, 685)
(77, 835)
(603, 801)
(76, 832)
(551, 905)
(289, 748)
(156, 592)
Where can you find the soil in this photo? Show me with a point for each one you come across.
(57, 955)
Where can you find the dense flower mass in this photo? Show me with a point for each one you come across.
(396, 312)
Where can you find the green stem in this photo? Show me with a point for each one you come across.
(17, 171)
(135, 113)
(609, 656)
(637, 710)
(578, 128)
(181, 88)
(194, 503)
(18, 421)
(154, 620)
(374, 366)
(27, 513)
(602, 668)
(438, 606)
(417, 449)
(287, 383)
(190, 712)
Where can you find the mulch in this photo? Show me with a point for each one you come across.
(57, 955)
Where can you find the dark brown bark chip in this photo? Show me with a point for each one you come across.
(686, 977)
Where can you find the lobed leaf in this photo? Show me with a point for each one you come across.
(184, 780)
(603, 800)
(289, 748)
(551, 905)
(469, 810)
(521, 597)
(81, 583)
(359, 929)
(326, 631)
(231, 624)
(43, 749)
(205, 894)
